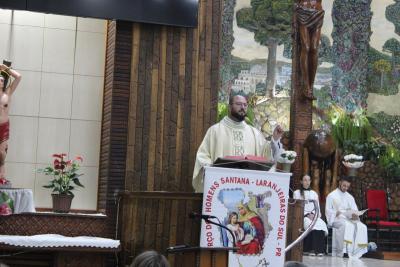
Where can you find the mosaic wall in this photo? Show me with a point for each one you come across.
(359, 66)
(351, 33)
(359, 57)
(255, 56)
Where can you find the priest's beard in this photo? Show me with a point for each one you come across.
(240, 116)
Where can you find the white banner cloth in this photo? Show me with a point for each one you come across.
(253, 204)
(52, 240)
(23, 199)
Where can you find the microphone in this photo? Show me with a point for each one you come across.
(207, 218)
(194, 215)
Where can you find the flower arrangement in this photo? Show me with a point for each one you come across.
(6, 204)
(287, 156)
(353, 161)
(4, 183)
(65, 174)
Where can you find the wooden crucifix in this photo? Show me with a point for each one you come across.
(307, 22)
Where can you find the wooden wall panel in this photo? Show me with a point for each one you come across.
(160, 97)
(173, 100)
(158, 220)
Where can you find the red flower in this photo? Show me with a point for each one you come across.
(5, 209)
(60, 156)
(64, 172)
(79, 158)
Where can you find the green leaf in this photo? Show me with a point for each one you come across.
(5, 198)
(77, 182)
(63, 181)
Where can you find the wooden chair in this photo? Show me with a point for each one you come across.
(379, 219)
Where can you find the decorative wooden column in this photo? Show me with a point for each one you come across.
(300, 107)
(300, 112)
(114, 128)
(293, 227)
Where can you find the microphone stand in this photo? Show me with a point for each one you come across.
(309, 229)
(207, 220)
(182, 248)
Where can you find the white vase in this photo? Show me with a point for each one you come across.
(352, 171)
(286, 167)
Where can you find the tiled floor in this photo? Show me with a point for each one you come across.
(340, 262)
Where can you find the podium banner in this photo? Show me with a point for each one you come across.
(253, 205)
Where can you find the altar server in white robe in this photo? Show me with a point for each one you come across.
(315, 241)
(349, 234)
(232, 136)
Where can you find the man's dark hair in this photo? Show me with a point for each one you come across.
(294, 264)
(150, 258)
(345, 178)
(233, 95)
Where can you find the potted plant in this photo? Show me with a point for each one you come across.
(350, 127)
(65, 179)
(390, 162)
(371, 150)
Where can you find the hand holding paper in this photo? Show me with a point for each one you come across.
(349, 213)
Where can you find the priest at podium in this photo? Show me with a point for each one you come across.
(232, 136)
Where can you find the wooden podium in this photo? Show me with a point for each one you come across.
(159, 220)
(202, 257)
(244, 162)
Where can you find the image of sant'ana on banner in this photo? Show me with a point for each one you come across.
(253, 205)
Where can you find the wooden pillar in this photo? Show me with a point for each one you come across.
(114, 128)
(300, 109)
(294, 228)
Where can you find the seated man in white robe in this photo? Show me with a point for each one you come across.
(349, 234)
(232, 136)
